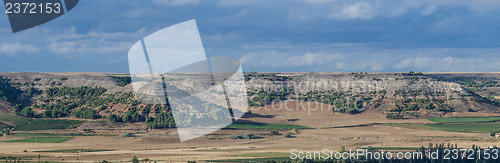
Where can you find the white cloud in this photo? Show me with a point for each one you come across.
(231, 3)
(428, 10)
(367, 9)
(450, 64)
(361, 10)
(176, 2)
(13, 48)
(71, 48)
(318, 2)
(310, 59)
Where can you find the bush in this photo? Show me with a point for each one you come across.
(27, 112)
(135, 160)
(114, 118)
(471, 110)
(236, 137)
(126, 134)
(249, 136)
(6, 131)
(493, 134)
(287, 135)
(274, 132)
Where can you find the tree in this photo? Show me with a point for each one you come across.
(135, 160)
(27, 112)
(114, 118)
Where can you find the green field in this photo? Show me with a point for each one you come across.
(463, 127)
(56, 134)
(3, 125)
(464, 119)
(76, 150)
(41, 140)
(13, 119)
(263, 126)
(47, 124)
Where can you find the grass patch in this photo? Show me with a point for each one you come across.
(14, 119)
(47, 124)
(4, 125)
(263, 126)
(41, 140)
(56, 134)
(464, 127)
(463, 119)
(76, 150)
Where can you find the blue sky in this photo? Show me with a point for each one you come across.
(272, 36)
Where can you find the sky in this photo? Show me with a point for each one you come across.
(270, 36)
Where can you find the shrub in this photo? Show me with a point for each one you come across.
(249, 136)
(114, 118)
(493, 134)
(126, 134)
(135, 160)
(471, 110)
(6, 131)
(25, 150)
(274, 132)
(287, 135)
(236, 137)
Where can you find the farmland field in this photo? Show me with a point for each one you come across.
(47, 124)
(263, 126)
(463, 119)
(56, 134)
(466, 127)
(3, 125)
(76, 150)
(13, 119)
(41, 140)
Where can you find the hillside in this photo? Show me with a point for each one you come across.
(393, 95)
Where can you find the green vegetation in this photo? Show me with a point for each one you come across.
(8, 92)
(3, 125)
(463, 119)
(465, 127)
(471, 81)
(162, 120)
(48, 124)
(261, 97)
(76, 150)
(122, 81)
(246, 136)
(41, 140)
(411, 73)
(85, 113)
(13, 119)
(35, 134)
(263, 126)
